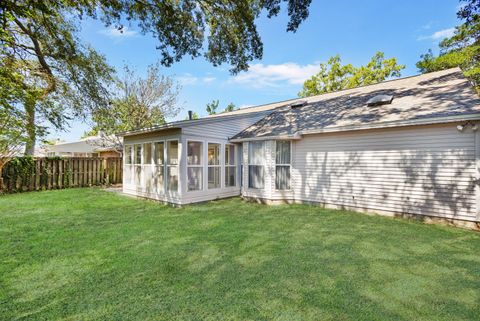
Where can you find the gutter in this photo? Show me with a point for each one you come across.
(426, 121)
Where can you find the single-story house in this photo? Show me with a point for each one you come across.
(92, 146)
(406, 146)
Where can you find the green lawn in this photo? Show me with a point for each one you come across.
(86, 254)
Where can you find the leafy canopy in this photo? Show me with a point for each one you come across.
(462, 49)
(223, 31)
(334, 76)
(55, 77)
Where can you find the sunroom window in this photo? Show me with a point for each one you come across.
(282, 165)
(256, 165)
(172, 165)
(230, 166)
(128, 155)
(137, 161)
(159, 156)
(213, 165)
(195, 166)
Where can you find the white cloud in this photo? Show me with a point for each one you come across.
(260, 75)
(245, 106)
(208, 79)
(187, 79)
(115, 33)
(439, 35)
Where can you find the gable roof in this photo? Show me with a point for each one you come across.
(435, 97)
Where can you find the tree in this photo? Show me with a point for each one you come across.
(334, 76)
(139, 103)
(59, 77)
(462, 49)
(230, 107)
(226, 28)
(212, 107)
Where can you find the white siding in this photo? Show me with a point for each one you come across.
(428, 170)
(223, 128)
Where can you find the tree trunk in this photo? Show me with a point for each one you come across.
(31, 130)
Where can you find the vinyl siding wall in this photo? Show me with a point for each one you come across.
(223, 128)
(426, 170)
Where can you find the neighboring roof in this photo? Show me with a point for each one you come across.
(435, 97)
(89, 144)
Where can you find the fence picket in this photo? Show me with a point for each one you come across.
(54, 173)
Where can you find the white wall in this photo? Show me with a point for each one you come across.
(428, 170)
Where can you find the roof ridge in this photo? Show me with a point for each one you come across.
(343, 90)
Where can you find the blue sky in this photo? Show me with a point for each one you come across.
(354, 29)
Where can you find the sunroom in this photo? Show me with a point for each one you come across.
(178, 168)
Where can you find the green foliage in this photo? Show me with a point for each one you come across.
(87, 254)
(226, 28)
(48, 70)
(18, 169)
(212, 107)
(334, 76)
(462, 49)
(230, 107)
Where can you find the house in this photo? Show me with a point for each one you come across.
(408, 146)
(92, 146)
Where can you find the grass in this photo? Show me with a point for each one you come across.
(86, 254)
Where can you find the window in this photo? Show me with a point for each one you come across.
(147, 153)
(128, 155)
(159, 173)
(256, 165)
(159, 153)
(172, 165)
(230, 168)
(194, 166)
(137, 160)
(127, 171)
(282, 165)
(213, 165)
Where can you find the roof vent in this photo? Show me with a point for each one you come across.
(298, 103)
(380, 100)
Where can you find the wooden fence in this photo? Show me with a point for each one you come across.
(27, 174)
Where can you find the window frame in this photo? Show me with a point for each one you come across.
(264, 154)
(167, 165)
(284, 165)
(156, 165)
(219, 165)
(230, 166)
(202, 165)
(125, 154)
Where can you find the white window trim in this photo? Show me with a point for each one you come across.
(162, 166)
(167, 165)
(220, 162)
(264, 143)
(289, 165)
(202, 165)
(125, 154)
(234, 166)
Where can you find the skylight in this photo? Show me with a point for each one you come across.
(298, 103)
(380, 100)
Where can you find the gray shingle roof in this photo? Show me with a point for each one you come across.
(422, 99)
